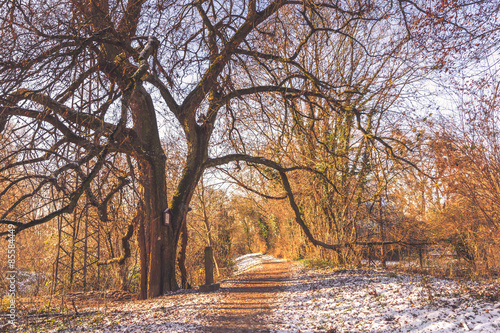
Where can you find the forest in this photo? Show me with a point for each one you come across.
(135, 133)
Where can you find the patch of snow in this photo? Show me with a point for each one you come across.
(378, 301)
(29, 283)
(249, 261)
(390, 264)
(179, 312)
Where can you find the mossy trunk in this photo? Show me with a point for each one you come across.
(182, 257)
(156, 242)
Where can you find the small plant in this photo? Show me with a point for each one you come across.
(427, 286)
(6, 301)
(44, 309)
(97, 319)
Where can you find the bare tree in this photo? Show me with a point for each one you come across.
(83, 82)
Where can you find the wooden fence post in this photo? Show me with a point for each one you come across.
(209, 265)
(209, 272)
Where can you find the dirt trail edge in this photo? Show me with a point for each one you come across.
(247, 298)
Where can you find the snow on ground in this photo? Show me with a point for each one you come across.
(324, 300)
(381, 301)
(182, 311)
(249, 261)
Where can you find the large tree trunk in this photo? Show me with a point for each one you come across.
(197, 155)
(156, 242)
(197, 138)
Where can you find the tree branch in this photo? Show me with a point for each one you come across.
(82, 119)
(130, 20)
(165, 93)
(125, 246)
(286, 185)
(74, 197)
(209, 79)
(46, 117)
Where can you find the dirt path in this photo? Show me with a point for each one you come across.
(241, 305)
(246, 298)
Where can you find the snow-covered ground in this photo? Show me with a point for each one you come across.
(381, 301)
(249, 261)
(182, 311)
(326, 300)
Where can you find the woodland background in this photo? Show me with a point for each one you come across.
(383, 115)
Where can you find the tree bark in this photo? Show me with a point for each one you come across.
(182, 257)
(159, 242)
(143, 256)
(156, 242)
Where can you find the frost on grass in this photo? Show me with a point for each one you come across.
(338, 301)
(378, 301)
(183, 311)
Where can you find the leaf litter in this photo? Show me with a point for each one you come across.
(311, 300)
